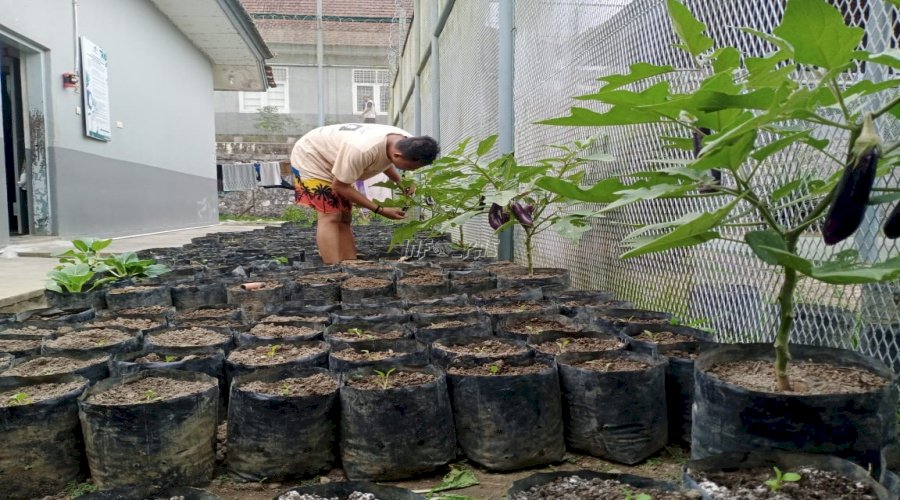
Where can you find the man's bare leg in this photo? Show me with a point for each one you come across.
(328, 237)
(347, 241)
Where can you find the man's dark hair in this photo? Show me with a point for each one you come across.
(422, 149)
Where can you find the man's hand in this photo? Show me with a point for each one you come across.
(392, 213)
(409, 190)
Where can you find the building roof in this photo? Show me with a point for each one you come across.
(224, 32)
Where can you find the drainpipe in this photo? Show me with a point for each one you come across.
(506, 139)
(436, 73)
(76, 44)
(320, 60)
(419, 26)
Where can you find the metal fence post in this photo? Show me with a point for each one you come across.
(505, 82)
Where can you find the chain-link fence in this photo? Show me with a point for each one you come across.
(561, 47)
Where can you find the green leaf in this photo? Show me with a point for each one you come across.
(844, 269)
(884, 198)
(486, 145)
(456, 479)
(790, 477)
(654, 94)
(501, 198)
(777, 145)
(583, 117)
(461, 148)
(605, 157)
(890, 57)
(571, 228)
(693, 229)
(728, 156)
(767, 72)
(726, 59)
(818, 34)
(602, 192)
(760, 241)
(637, 72)
(657, 190)
(689, 29)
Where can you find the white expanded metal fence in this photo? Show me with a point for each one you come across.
(561, 47)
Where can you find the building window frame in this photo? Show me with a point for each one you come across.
(271, 97)
(376, 78)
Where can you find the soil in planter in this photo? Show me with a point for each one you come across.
(498, 369)
(142, 311)
(575, 487)
(749, 484)
(663, 337)
(156, 358)
(188, 337)
(612, 365)
(273, 330)
(28, 330)
(530, 326)
(52, 365)
(394, 380)
(20, 346)
(320, 279)
(358, 334)
(486, 348)
(274, 354)
(365, 355)
(130, 323)
(363, 283)
(89, 339)
(294, 319)
(422, 278)
(807, 377)
(208, 313)
(508, 294)
(514, 307)
(35, 393)
(579, 344)
(212, 323)
(147, 390)
(319, 384)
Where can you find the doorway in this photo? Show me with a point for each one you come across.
(13, 147)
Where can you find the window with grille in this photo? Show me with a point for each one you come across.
(251, 102)
(371, 85)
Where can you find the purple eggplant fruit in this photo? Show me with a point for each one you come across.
(851, 195)
(522, 213)
(892, 224)
(496, 216)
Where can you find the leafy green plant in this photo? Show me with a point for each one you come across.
(562, 344)
(744, 112)
(384, 377)
(457, 478)
(281, 260)
(268, 119)
(75, 489)
(73, 278)
(149, 395)
(630, 495)
(494, 369)
(128, 265)
(171, 359)
(273, 350)
(300, 216)
(780, 478)
(20, 398)
(83, 251)
(285, 390)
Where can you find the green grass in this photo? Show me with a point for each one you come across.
(75, 490)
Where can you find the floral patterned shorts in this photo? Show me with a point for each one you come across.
(317, 194)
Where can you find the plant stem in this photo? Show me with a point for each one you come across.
(840, 99)
(895, 101)
(528, 235)
(786, 314)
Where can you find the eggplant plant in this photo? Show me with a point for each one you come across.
(83, 265)
(744, 113)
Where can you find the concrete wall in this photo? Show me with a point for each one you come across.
(339, 64)
(160, 89)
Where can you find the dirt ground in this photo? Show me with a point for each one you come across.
(664, 465)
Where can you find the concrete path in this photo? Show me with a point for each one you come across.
(24, 263)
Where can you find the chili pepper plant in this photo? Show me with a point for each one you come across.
(744, 112)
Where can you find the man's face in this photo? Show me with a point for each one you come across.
(404, 164)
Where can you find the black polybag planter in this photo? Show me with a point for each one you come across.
(52, 317)
(443, 357)
(621, 317)
(97, 370)
(374, 315)
(209, 360)
(534, 341)
(410, 291)
(146, 295)
(542, 478)
(472, 329)
(471, 281)
(344, 489)
(5, 360)
(616, 415)
(731, 419)
(317, 360)
(181, 493)
(383, 288)
(27, 345)
(407, 352)
(508, 422)
(652, 348)
(42, 445)
(784, 461)
(160, 444)
(248, 338)
(278, 437)
(396, 433)
(129, 344)
(93, 298)
(193, 295)
(558, 279)
(680, 388)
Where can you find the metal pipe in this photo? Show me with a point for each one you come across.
(436, 76)
(320, 60)
(505, 91)
(417, 80)
(76, 61)
(442, 20)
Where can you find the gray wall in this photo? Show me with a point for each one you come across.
(160, 89)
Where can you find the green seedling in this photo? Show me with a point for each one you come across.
(20, 398)
(630, 495)
(285, 390)
(170, 359)
(384, 377)
(75, 489)
(355, 331)
(273, 350)
(102, 342)
(652, 336)
(149, 395)
(780, 478)
(495, 369)
(530, 329)
(562, 344)
(281, 260)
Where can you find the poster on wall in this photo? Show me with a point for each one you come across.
(96, 91)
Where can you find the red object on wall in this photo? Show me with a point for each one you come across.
(70, 80)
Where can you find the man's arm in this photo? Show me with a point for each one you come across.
(350, 193)
(393, 175)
